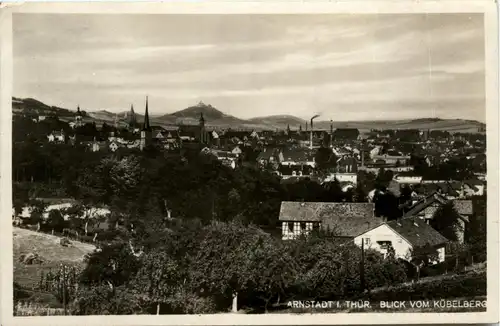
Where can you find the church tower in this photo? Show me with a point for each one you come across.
(132, 119)
(203, 134)
(78, 118)
(146, 129)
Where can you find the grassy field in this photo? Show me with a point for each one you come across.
(49, 249)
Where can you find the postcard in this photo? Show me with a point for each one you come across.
(253, 163)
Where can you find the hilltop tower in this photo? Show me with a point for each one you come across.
(132, 119)
(146, 130)
(78, 118)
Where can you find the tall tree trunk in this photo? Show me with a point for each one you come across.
(158, 309)
(235, 302)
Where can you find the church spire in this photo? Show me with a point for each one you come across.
(146, 125)
(132, 120)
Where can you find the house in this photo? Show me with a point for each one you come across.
(57, 136)
(113, 146)
(237, 151)
(392, 159)
(426, 208)
(473, 188)
(297, 156)
(270, 155)
(347, 164)
(342, 177)
(407, 178)
(346, 220)
(404, 236)
(299, 171)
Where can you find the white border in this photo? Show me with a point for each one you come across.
(333, 7)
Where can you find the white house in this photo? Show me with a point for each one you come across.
(408, 179)
(57, 207)
(237, 151)
(404, 236)
(113, 146)
(342, 177)
(56, 136)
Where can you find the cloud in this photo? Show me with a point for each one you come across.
(251, 64)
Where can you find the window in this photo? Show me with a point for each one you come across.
(384, 244)
(367, 241)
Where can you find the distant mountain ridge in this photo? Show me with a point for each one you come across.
(216, 118)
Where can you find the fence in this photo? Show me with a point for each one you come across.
(33, 309)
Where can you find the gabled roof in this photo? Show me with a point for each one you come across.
(345, 219)
(417, 232)
(296, 155)
(463, 207)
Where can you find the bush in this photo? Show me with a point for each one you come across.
(187, 302)
(102, 300)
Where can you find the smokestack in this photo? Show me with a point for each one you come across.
(331, 133)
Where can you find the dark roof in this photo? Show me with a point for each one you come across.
(417, 232)
(265, 155)
(474, 182)
(463, 207)
(296, 155)
(345, 219)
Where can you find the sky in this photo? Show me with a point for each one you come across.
(343, 66)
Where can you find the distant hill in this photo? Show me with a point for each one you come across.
(216, 118)
(212, 116)
(279, 121)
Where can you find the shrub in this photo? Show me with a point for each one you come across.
(102, 300)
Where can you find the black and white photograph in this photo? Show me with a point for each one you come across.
(261, 163)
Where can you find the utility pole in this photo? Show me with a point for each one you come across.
(64, 289)
(362, 266)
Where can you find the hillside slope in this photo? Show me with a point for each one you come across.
(48, 248)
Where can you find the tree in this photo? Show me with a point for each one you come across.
(158, 279)
(476, 231)
(359, 195)
(446, 221)
(55, 220)
(223, 265)
(387, 205)
(113, 265)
